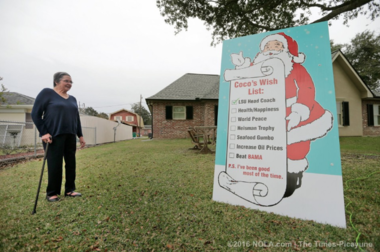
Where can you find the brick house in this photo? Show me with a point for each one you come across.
(146, 130)
(129, 118)
(192, 100)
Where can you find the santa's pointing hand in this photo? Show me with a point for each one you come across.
(239, 61)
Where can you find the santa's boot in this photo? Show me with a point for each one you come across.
(294, 181)
(294, 175)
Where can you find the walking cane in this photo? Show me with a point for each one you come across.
(42, 173)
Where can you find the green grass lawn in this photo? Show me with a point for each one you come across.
(157, 196)
(360, 145)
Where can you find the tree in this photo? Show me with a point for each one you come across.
(235, 18)
(90, 111)
(2, 91)
(142, 112)
(364, 55)
(103, 115)
(335, 47)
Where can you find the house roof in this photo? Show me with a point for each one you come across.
(365, 91)
(140, 121)
(190, 87)
(376, 93)
(123, 110)
(13, 98)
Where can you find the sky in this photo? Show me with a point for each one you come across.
(115, 51)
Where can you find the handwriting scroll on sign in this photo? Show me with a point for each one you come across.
(256, 167)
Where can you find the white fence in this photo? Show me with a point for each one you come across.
(24, 135)
(104, 130)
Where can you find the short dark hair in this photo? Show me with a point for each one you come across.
(58, 76)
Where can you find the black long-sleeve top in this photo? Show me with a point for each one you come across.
(56, 115)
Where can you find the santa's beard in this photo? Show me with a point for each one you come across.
(284, 56)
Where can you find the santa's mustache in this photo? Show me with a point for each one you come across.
(272, 52)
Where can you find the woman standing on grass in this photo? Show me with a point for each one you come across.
(55, 113)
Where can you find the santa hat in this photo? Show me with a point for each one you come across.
(289, 44)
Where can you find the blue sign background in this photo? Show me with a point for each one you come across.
(313, 40)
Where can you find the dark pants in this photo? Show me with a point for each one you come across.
(62, 147)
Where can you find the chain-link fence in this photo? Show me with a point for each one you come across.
(23, 137)
(17, 137)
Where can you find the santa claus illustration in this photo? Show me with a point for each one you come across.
(306, 120)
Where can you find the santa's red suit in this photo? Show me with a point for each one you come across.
(314, 120)
(299, 89)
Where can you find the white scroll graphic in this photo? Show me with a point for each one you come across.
(260, 69)
(256, 165)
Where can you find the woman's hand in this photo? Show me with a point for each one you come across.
(82, 142)
(47, 138)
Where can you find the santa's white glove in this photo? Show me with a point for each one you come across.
(239, 61)
(294, 119)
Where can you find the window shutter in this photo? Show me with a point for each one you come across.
(346, 114)
(216, 115)
(370, 115)
(169, 112)
(189, 112)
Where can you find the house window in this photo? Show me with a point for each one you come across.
(129, 118)
(179, 112)
(373, 113)
(28, 121)
(376, 115)
(339, 112)
(117, 118)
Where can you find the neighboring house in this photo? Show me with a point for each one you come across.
(192, 100)
(358, 108)
(129, 118)
(146, 130)
(16, 123)
(17, 107)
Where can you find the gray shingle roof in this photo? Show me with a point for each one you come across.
(13, 98)
(189, 87)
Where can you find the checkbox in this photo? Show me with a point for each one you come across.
(233, 111)
(231, 155)
(233, 128)
(232, 146)
(233, 119)
(232, 137)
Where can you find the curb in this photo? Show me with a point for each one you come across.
(11, 161)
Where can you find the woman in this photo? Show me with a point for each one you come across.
(55, 113)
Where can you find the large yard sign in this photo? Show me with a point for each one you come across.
(278, 144)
